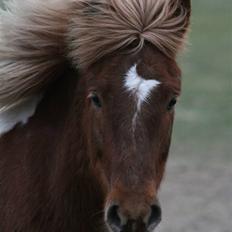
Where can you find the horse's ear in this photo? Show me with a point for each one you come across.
(186, 5)
(184, 9)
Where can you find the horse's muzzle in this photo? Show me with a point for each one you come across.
(118, 222)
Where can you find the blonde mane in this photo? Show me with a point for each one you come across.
(37, 36)
(32, 34)
(105, 26)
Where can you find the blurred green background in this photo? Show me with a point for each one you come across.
(203, 129)
(1, 3)
(197, 192)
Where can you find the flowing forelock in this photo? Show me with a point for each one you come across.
(100, 27)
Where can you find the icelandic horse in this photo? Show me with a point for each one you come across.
(87, 96)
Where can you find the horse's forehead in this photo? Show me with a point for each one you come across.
(138, 86)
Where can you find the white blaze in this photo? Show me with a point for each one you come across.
(21, 113)
(139, 87)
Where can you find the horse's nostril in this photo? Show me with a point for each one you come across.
(155, 217)
(118, 222)
(113, 219)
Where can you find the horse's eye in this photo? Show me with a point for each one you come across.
(95, 100)
(171, 104)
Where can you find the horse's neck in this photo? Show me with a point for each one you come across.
(78, 194)
(76, 191)
(48, 162)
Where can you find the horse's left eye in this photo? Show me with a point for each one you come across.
(95, 100)
(171, 104)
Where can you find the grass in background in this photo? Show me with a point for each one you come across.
(203, 129)
(1, 3)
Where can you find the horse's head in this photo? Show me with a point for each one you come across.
(125, 51)
(129, 115)
(130, 101)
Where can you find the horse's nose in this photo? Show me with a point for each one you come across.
(123, 222)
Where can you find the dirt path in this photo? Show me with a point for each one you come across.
(197, 199)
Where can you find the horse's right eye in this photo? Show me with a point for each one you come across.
(171, 104)
(95, 100)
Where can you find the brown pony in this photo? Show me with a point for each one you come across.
(87, 96)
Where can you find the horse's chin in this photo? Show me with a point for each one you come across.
(129, 229)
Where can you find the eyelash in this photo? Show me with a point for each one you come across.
(95, 99)
(172, 104)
